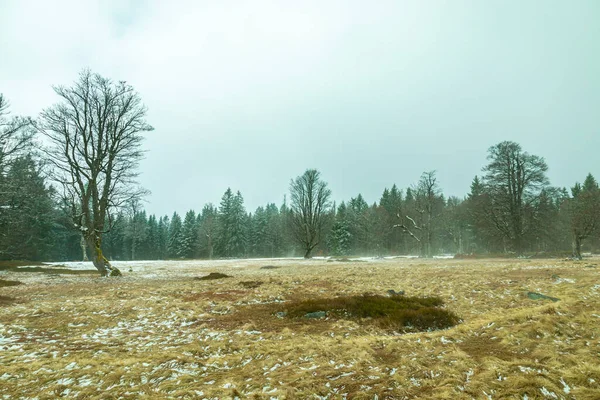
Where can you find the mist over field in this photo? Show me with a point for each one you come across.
(310, 200)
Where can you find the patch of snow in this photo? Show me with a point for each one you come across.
(445, 341)
(548, 393)
(566, 388)
(64, 381)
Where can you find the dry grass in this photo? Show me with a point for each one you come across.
(156, 332)
(6, 283)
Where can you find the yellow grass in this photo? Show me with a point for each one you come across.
(160, 333)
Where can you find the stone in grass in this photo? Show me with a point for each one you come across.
(539, 296)
(392, 292)
(281, 314)
(315, 315)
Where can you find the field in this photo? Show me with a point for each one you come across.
(161, 333)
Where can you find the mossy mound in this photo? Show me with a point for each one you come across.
(212, 275)
(399, 313)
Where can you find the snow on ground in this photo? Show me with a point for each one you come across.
(158, 333)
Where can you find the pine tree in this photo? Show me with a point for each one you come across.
(209, 230)
(162, 237)
(174, 239)
(189, 236)
(27, 212)
(232, 225)
(340, 236)
(152, 241)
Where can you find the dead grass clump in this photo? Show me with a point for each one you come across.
(212, 275)
(6, 300)
(399, 313)
(345, 259)
(270, 267)
(47, 270)
(481, 347)
(5, 283)
(251, 284)
(9, 264)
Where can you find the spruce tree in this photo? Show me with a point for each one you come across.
(174, 239)
(189, 236)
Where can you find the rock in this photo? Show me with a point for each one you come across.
(392, 292)
(539, 296)
(281, 314)
(316, 315)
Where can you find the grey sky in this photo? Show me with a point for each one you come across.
(249, 94)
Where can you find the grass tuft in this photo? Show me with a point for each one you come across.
(400, 313)
(6, 300)
(46, 270)
(212, 275)
(251, 284)
(6, 283)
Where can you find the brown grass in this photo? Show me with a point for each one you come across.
(158, 333)
(22, 267)
(212, 275)
(5, 283)
(6, 300)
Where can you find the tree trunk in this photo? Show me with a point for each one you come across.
(84, 249)
(577, 247)
(210, 247)
(100, 262)
(307, 253)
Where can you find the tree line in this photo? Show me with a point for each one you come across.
(75, 196)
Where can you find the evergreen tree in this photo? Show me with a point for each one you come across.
(162, 234)
(340, 236)
(232, 228)
(152, 240)
(189, 236)
(27, 212)
(174, 239)
(114, 240)
(208, 230)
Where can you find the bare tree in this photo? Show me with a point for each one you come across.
(427, 199)
(309, 207)
(95, 136)
(514, 181)
(15, 134)
(584, 210)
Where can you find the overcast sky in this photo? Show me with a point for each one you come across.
(248, 94)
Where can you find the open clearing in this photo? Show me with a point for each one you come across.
(160, 333)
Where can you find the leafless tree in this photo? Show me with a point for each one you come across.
(584, 211)
(309, 206)
(95, 136)
(427, 198)
(15, 134)
(514, 181)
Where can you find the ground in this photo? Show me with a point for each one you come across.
(160, 333)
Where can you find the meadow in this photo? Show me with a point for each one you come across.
(162, 332)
